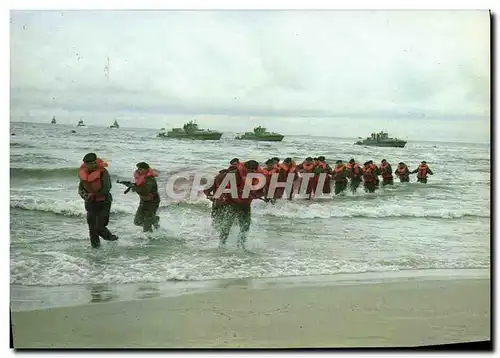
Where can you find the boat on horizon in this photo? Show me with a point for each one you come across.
(382, 139)
(190, 130)
(261, 134)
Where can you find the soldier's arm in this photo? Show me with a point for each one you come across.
(146, 188)
(81, 191)
(430, 171)
(413, 172)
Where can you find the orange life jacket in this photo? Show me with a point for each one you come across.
(307, 167)
(402, 170)
(223, 198)
(337, 173)
(323, 166)
(91, 181)
(422, 171)
(241, 179)
(140, 180)
(385, 174)
(353, 170)
(269, 173)
(369, 174)
(289, 169)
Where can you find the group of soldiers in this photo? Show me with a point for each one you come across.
(95, 186)
(227, 208)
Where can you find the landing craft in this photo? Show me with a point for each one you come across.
(190, 130)
(382, 139)
(115, 125)
(261, 134)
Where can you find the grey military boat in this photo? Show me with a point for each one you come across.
(261, 134)
(382, 139)
(190, 130)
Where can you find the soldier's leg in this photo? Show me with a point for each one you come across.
(103, 221)
(150, 209)
(338, 187)
(244, 214)
(223, 220)
(139, 215)
(95, 242)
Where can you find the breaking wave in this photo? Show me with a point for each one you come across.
(38, 173)
(70, 208)
(21, 145)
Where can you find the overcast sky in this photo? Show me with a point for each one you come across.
(356, 64)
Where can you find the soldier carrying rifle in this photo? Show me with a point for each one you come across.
(145, 185)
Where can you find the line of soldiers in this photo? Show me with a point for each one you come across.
(227, 208)
(95, 186)
(342, 174)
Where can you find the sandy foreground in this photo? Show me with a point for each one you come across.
(404, 313)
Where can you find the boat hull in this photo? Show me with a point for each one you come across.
(204, 136)
(398, 144)
(273, 138)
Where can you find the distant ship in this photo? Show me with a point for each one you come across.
(261, 134)
(114, 125)
(53, 121)
(190, 130)
(382, 139)
(80, 123)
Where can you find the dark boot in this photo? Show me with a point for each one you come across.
(156, 223)
(95, 242)
(107, 235)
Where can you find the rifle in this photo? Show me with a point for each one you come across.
(128, 184)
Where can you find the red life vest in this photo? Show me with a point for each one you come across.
(369, 174)
(402, 170)
(241, 177)
(337, 173)
(223, 198)
(307, 167)
(385, 175)
(422, 171)
(353, 170)
(269, 173)
(140, 180)
(91, 181)
(289, 169)
(323, 166)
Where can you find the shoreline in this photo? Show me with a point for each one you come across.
(387, 314)
(29, 298)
